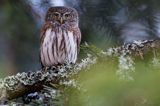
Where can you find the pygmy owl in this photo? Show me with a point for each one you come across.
(60, 37)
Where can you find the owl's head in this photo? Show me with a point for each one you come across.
(62, 15)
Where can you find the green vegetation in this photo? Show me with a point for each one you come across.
(100, 86)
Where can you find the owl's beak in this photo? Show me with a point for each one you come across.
(61, 20)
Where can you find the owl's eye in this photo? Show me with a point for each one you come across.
(67, 16)
(55, 15)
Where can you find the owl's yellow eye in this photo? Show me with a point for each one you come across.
(67, 16)
(55, 15)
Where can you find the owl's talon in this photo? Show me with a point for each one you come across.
(46, 68)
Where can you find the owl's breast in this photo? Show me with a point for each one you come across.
(59, 46)
(71, 46)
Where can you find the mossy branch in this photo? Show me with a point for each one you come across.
(17, 85)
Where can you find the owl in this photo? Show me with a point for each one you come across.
(60, 37)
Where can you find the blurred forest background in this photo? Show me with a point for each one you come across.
(104, 23)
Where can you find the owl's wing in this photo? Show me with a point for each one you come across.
(43, 31)
(77, 34)
(42, 36)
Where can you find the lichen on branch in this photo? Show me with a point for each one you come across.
(17, 85)
(20, 84)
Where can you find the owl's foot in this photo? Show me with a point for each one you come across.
(46, 68)
(53, 68)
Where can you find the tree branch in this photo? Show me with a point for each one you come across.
(137, 48)
(17, 85)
